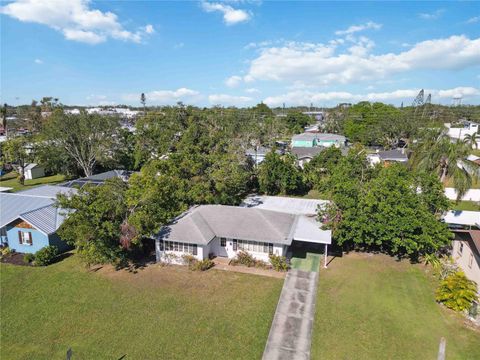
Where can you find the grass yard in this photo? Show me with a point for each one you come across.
(373, 307)
(465, 205)
(306, 257)
(10, 180)
(158, 313)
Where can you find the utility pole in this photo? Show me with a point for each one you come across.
(143, 101)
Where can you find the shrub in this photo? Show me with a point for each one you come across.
(28, 258)
(456, 292)
(6, 251)
(201, 265)
(261, 264)
(189, 259)
(45, 256)
(243, 258)
(279, 263)
(196, 265)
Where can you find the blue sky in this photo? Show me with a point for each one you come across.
(239, 52)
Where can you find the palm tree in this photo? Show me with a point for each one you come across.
(472, 140)
(437, 152)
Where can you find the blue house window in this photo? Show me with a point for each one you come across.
(25, 238)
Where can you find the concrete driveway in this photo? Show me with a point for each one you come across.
(291, 331)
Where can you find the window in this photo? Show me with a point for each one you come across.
(223, 242)
(460, 249)
(25, 237)
(254, 246)
(178, 246)
(470, 260)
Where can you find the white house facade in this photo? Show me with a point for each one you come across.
(223, 231)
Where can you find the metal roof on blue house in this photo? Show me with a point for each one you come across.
(36, 206)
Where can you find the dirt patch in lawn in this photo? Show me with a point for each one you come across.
(15, 259)
(156, 275)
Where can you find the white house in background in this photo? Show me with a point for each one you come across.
(468, 128)
(466, 244)
(388, 156)
(263, 225)
(72, 111)
(257, 155)
(34, 171)
(470, 195)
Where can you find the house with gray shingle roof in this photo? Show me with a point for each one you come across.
(29, 219)
(261, 226)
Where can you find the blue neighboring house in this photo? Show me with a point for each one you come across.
(29, 219)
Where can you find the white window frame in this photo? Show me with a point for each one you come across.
(26, 238)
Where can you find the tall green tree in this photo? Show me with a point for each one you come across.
(94, 222)
(279, 175)
(86, 139)
(436, 152)
(18, 151)
(472, 140)
(386, 213)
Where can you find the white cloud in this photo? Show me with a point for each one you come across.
(38, 61)
(432, 16)
(231, 16)
(228, 100)
(149, 29)
(356, 28)
(179, 45)
(74, 19)
(96, 97)
(320, 64)
(459, 92)
(233, 81)
(306, 97)
(166, 96)
(252, 91)
(473, 20)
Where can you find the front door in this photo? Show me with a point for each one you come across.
(222, 247)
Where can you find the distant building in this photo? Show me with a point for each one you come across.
(258, 154)
(387, 157)
(34, 171)
(320, 139)
(98, 179)
(467, 128)
(72, 111)
(305, 154)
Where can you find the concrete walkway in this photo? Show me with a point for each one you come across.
(291, 332)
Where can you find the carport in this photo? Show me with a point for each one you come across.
(309, 233)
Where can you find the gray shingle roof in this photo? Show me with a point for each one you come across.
(201, 224)
(392, 155)
(307, 152)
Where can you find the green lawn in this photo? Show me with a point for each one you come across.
(465, 205)
(10, 180)
(158, 313)
(373, 307)
(475, 184)
(305, 257)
